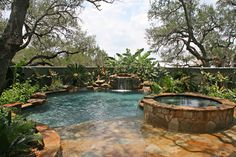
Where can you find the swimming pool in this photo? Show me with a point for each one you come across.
(68, 109)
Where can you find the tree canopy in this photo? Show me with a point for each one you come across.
(37, 21)
(187, 32)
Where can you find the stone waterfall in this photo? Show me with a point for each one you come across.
(125, 81)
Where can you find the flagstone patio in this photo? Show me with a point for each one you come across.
(132, 138)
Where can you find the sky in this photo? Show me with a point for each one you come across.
(120, 25)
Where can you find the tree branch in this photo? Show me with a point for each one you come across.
(50, 57)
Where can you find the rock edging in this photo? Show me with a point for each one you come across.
(51, 140)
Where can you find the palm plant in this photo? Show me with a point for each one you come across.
(77, 74)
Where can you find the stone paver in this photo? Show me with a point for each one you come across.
(132, 138)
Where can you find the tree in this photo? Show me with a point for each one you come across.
(52, 18)
(187, 31)
(90, 54)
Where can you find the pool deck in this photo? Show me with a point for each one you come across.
(132, 138)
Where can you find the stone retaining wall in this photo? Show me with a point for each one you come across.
(189, 119)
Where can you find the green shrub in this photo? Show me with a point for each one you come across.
(139, 63)
(156, 88)
(168, 84)
(18, 92)
(17, 135)
(215, 85)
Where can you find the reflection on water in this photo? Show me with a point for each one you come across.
(68, 109)
(187, 101)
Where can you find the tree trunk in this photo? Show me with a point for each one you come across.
(12, 37)
(4, 67)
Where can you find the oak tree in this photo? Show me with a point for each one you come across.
(189, 32)
(34, 19)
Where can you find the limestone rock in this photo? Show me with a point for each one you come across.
(95, 84)
(39, 95)
(147, 83)
(152, 149)
(146, 89)
(51, 140)
(36, 101)
(16, 104)
(26, 105)
(99, 82)
(105, 85)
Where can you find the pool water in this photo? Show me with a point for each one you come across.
(187, 101)
(68, 109)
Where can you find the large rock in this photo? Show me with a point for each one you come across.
(35, 102)
(39, 95)
(51, 141)
(105, 85)
(146, 89)
(16, 104)
(147, 83)
(95, 84)
(99, 82)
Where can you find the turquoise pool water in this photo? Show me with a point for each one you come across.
(68, 109)
(187, 101)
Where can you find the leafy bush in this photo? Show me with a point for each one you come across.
(215, 85)
(178, 83)
(56, 82)
(18, 93)
(138, 63)
(17, 135)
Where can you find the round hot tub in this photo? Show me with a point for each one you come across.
(188, 112)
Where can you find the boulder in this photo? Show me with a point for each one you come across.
(39, 95)
(147, 83)
(26, 105)
(105, 85)
(16, 104)
(35, 102)
(95, 84)
(99, 82)
(146, 89)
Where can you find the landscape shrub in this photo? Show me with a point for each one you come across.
(17, 135)
(18, 92)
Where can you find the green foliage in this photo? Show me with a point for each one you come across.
(77, 75)
(56, 83)
(217, 79)
(156, 88)
(103, 73)
(186, 32)
(169, 84)
(17, 135)
(18, 92)
(186, 80)
(141, 64)
(215, 85)
(176, 83)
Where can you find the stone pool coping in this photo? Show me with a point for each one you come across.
(51, 140)
(225, 103)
